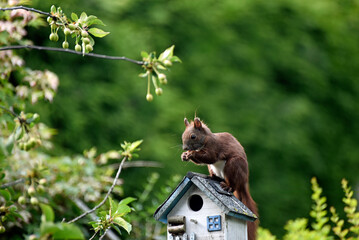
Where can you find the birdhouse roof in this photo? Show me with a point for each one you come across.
(212, 189)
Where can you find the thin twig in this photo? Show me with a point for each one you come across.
(94, 235)
(80, 204)
(107, 195)
(27, 9)
(6, 185)
(71, 51)
(104, 234)
(139, 163)
(10, 111)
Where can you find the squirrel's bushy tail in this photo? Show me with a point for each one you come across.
(245, 197)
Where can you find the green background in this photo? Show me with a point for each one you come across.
(281, 76)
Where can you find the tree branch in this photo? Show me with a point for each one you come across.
(94, 235)
(10, 111)
(6, 185)
(102, 236)
(139, 163)
(80, 204)
(70, 51)
(27, 9)
(107, 195)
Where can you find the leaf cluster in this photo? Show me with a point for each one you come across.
(130, 149)
(76, 27)
(114, 217)
(154, 68)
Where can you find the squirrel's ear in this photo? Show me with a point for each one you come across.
(186, 122)
(197, 123)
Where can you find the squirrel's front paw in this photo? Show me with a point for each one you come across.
(186, 156)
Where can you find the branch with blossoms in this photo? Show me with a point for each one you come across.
(81, 29)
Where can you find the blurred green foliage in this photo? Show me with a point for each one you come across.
(347, 228)
(281, 76)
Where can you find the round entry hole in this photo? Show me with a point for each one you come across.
(195, 202)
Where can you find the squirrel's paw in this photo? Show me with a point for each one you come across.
(225, 187)
(186, 156)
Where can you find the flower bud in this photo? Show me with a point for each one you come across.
(159, 91)
(65, 45)
(167, 63)
(34, 201)
(84, 33)
(33, 237)
(86, 40)
(72, 26)
(67, 31)
(54, 37)
(21, 200)
(161, 76)
(78, 48)
(49, 20)
(89, 48)
(149, 97)
(42, 181)
(31, 190)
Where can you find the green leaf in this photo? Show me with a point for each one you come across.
(47, 213)
(83, 17)
(68, 231)
(175, 59)
(74, 17)
(134, 145)
(90, 20)
(47, 228)
(98, 32)
(6, 194)
(116, 228)
(123, 223)
(168, 53)
(127, 200)
(144, 54)
(161, 67)
(53, 9)
(113, 205)
(121, 210)
(60, 230)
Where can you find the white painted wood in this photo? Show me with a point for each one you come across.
(196, 221)
(235, 228)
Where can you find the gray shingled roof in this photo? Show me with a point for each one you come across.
(224, 200)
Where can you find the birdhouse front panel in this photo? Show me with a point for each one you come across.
(203, 218)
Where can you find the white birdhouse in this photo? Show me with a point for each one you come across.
(199, 209)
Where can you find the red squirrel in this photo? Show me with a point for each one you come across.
(226, 159)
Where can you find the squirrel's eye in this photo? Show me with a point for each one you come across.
(193, 136)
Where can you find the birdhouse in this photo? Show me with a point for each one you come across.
(200, 209)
